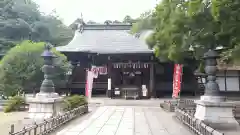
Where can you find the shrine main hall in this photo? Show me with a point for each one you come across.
(124, 62)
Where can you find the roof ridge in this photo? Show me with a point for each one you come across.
(107, 26)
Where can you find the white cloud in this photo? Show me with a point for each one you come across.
(97, 10)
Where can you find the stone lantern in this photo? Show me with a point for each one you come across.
(212, 108)
(47, 103)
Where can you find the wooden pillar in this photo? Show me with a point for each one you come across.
(109, 87)
(239, 80)
(225, 80)
(152, 92)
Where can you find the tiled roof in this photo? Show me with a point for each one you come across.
(105, 39)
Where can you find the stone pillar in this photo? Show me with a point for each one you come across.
(47, 103)
(212, 108)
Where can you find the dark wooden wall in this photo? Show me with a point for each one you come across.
(163, 72)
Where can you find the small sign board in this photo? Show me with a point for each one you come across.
(144, 90)
(117, 92)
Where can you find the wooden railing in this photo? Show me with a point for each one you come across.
(168, 105)
(49, 125)
(195, 125)
(185, 111)
(236, 112)
(186, 104)
(189, 107)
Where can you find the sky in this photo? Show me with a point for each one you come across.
(96, 10)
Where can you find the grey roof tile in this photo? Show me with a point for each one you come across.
(106, 41)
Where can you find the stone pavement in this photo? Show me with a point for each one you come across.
(128, 120)
(122, 102)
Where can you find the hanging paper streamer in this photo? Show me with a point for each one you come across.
(100, 70)
(131, 65)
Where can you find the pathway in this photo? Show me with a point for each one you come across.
(128, 120)
(16, 118)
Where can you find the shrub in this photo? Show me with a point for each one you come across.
(14, 104)
(74, 102)
(20, 68)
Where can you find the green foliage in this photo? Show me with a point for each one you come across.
(21, 20)
(20, 68)
(135, 28)
(74, 102)
(227, 14)
(116, 22)
(171, 34)
(151, 41)
(201, 67)
(145, 21)
(195, 26)
(128, 19)
(58, 32)
(91, 22)
(14, 104)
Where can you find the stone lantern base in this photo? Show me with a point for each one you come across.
(215, 111)
(45, 105)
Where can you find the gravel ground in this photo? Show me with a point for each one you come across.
(17, 118)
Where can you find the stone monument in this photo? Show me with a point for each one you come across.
(212, 108)
(46, 103)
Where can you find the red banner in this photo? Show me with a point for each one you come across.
(89, 84)
(177, 78)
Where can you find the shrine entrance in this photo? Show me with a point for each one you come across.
(131, 76)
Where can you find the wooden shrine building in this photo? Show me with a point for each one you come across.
(124, 62)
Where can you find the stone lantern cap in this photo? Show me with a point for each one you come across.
(211, 54)
(47, 51)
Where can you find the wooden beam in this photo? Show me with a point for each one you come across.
(109, 92)
(152, 92)
(225, 79)
(239, 79)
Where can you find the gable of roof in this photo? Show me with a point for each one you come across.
(105, 39)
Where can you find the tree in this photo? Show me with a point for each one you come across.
(20, 69)
(144, 22)
(91, 22)
(108, 22)
(12, 28)
(116, 22)
(226, 14)
(171, 30)
(128, 19)
(182, 32)
(187, 29)
(58, 32)
(21, 20)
